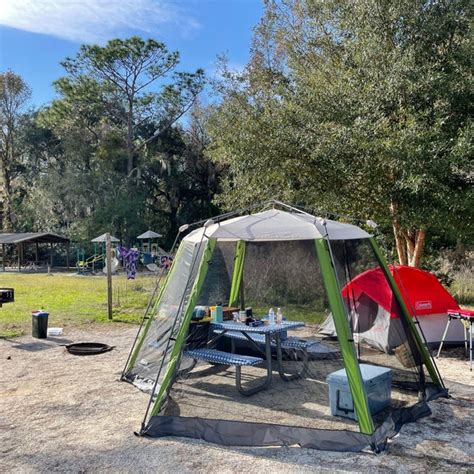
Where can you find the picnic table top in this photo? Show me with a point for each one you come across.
(264, 329)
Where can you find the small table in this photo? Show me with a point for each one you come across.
(269, 331)
(466, 318)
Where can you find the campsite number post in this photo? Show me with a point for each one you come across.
(108, 257)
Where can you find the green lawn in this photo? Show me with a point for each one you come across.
(75, 300)
(306, 314)
(71, 300)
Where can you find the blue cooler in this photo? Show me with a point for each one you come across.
(377, 381)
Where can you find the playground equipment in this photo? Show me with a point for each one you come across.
(153, 257)
(149, 246)
(88, 265)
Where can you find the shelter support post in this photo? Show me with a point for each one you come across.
(435, 377)
(136, 349)
(18, 249)
(67, 255)
(236, 288)
(108, 256)
(344, 337)
(51, 255)
(3, 256)
(183, 330)
(36, 253)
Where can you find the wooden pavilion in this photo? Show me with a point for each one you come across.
(24, 239)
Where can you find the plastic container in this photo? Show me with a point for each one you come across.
(55, 331)
(271, 316)
(39, 322)
(217, 314)
(377, 382)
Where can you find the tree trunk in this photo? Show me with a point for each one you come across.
(410, 243)
(415, 244)
(130, 138)
(415, 259)
(6, 159)
(398, 234)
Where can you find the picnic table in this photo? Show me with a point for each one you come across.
(255, 335)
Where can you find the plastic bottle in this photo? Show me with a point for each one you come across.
(279, 316)
(271, 316)
(219, 313)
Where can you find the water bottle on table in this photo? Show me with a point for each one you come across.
(271, 316)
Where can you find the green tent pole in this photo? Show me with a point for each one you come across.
(237, 273)
(435, 377)
(344, 336)
(152, 314)
(183, 330)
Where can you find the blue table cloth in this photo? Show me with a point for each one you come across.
(264, 329)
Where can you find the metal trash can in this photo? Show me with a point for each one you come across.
(39, 324)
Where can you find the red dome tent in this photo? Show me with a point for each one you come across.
(377, 313)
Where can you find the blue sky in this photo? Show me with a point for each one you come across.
(35, 35)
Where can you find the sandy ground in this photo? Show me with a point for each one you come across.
(64, 413)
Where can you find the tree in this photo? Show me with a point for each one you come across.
(123, 72)
(363, 107)
(14, 95)
(111, 143)
(181, 180)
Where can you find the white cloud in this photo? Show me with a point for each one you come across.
(96, 20)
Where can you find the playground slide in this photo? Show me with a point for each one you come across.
(115, 266)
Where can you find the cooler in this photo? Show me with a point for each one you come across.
(377, 381)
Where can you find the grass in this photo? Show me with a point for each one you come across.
(293, 312)
(462, 287)
(71, 300)
(76, 300)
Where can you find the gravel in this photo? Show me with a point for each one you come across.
(60, 412)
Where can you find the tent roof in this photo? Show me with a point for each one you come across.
(421, 290)
(101, 238)
(39, 237)
(149, 234)
(277, 225)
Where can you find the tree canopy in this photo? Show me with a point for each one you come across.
(362, 107)
(110, 151)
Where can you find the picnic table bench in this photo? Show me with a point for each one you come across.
(255, 335)
(226, 358)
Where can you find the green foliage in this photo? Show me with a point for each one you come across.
(108, 153)
(14, 95)
(360, 107)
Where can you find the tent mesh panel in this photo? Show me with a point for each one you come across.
(388, 329)
(282, 275)
(158, 341)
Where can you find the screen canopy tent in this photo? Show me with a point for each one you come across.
(22, 241)
(274, 258)
(377, 316)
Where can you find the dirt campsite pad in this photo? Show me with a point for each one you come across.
(60, 412)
